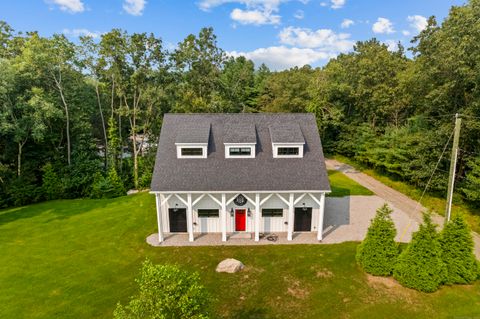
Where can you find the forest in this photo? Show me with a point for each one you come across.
(81, 119)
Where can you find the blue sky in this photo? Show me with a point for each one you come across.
(280, 33)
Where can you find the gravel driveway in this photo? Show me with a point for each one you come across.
(400, 201)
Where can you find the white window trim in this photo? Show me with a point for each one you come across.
(203, 146)
(239, 145)
(275, 147)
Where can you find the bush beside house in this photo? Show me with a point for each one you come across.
(378, 252)
(420, 265)
(457, 252)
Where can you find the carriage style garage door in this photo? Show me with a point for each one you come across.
(303, 219)
(178, 220)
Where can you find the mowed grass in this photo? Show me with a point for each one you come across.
(78, 258)
(343, 186)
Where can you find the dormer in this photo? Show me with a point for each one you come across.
(287, 140)
(240, 140)
(192, 141)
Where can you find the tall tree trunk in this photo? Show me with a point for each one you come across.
(19, 160)
(112, 96)
(133, 127)
(103, 124)
(58, 83)
(120, 136)
(19, 157)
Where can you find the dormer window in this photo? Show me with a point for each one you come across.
(239, 150)
(287, 140)
(288, 151)
(192, 141)
(240, 140)
(192, 151)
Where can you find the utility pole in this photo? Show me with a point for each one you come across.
(453, 166)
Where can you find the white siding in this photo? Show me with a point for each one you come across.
(206, 224)
(212, 224)
(273, 224)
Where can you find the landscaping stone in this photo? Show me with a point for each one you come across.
(230, 265)
(132, 191)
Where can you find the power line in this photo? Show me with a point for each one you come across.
(433, 172)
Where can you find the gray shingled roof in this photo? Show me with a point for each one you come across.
(238, 132)
(195, 132)
(217, 173)
(286, 133)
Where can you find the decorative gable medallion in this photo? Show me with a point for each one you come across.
(240, 200)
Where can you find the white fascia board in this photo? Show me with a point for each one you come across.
(239, 192)
(191, 144)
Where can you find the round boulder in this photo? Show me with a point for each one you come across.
(230, 265)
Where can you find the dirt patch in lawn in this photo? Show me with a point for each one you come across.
(387, 282)
(296, 288)
(324, 273)
(387, 287)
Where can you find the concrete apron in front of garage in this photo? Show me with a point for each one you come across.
(346, 219)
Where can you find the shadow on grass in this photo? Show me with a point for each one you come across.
(339, 191)
(57, 210)
(249, 313)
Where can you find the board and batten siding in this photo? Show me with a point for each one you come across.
(212, 224)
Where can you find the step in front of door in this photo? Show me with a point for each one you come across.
(241, 236)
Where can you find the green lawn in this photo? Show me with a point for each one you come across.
(78, 258)
(344, 186)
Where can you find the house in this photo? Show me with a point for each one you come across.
(239, 173)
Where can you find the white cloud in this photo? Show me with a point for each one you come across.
(337, 4)
(299, 15)
(134, 7)
(405, 32)
(255, 17)
(392, 45)
(281, 57)
(75, 33)
(72, 6)
(322, 39)
(267, 4)
(346, 23)
(418, 22)
(383, 25)
(323, 4)
(256, 12)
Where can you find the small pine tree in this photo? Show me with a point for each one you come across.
(420, 265)
(52, 187)
(457, 252)
(118, 189)
(107, 187)
(166, 292)
(378, 251)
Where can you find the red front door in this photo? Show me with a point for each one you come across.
(240, 219)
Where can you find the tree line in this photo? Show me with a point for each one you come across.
(81, 119)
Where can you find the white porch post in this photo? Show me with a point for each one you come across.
(159, 216)
(291, 213)
(320, 216)
(223, 220)
(189, 217)
(257, 217)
